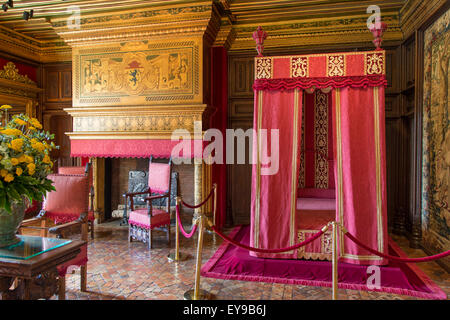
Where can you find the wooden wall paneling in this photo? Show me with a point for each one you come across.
(57, 83)
(240, 116)
(240, 175)
(416, 150)
(241, 76)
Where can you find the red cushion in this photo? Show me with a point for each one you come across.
(76, 170)
(159, 177)
(140, 218)
(71, 195)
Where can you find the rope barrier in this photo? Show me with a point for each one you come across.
(405, 260)
(243, 246)
(194, 227)
(199, 205)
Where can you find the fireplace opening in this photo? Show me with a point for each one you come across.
(122, 175)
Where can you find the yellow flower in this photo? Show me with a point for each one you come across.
(31, 168)
(32, 128)
(3, 172)
(46, 159)
(9, 177)
(38, 146)
(14, 161)
(28, 159)
(35, 123)
(19, 171)
(22, 158)
(17, 144)
(5, 106)
(11, 132)
(20, 122)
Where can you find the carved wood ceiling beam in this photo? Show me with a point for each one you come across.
(225, 22)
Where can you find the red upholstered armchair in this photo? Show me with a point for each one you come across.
(141, 222)
(70, 198)
(84, 171)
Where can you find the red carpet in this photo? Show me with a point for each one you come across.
(232, 263)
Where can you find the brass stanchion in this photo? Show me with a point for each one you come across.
(177, 255)
(335, 260)
(197, 293)
(214, 211)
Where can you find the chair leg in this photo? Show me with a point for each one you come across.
(92, 229)
(168, 234)
(62, 288)
(83, 278)
(150, 239)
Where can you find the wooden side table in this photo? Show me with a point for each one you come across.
(31, 266)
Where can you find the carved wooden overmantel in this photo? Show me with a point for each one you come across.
(18, 90)
(141, 74)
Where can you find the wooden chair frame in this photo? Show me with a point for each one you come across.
(147, 236)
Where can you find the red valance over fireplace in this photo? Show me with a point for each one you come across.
(132, 148)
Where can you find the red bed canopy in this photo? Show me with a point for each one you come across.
(356, 81)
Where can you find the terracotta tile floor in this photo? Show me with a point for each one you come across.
(119, 270)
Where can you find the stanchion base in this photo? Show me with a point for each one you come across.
(181, 257)
(202, 295)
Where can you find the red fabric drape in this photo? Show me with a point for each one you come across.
(274, 196)
(131, 148)
(219, 77)
(359, 140)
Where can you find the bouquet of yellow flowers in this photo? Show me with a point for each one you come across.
(24, 160)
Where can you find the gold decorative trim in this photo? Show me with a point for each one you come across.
(374, 63)
(264, 68)
(321, 139)
(299, 67)
(258, 171)
(339, 165)
(325, 244)
(294, 170)
(10, 72)
(378, 169)
(336, 65)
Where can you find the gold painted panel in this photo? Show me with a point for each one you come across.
(138, 73)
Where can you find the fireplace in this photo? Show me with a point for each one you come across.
(131, 175)
(132, 90)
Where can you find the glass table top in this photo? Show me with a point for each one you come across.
(31, 246)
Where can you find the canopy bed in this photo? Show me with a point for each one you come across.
(329, 110)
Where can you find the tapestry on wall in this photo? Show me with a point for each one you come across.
(436, 137)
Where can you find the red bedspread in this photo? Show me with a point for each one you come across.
(312, 215)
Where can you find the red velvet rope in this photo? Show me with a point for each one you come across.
(194, 228)
(199, 205)
(243, 246)
(406, 260)
(321, 83)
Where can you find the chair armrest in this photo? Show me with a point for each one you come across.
(59, 229)
(132, 194)
(30, 221)
(156, 197)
